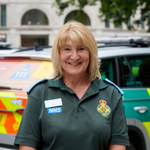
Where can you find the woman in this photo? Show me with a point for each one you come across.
(75, 110)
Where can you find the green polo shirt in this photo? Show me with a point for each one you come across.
(56, 119)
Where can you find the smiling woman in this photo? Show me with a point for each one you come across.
(74, 62)
(81, 37)
(75, 109)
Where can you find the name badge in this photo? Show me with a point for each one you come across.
(53, 102)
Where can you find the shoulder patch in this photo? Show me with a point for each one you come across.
(108, 81)
(40, 81)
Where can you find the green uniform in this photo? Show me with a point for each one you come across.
(55, 118)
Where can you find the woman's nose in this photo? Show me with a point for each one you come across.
(74, 55)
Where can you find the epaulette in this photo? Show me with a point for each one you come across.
(108, 81)
(40, 81)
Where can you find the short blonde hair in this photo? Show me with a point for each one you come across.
(80, 35)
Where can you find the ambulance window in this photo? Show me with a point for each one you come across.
(108, 69)
(136, 71)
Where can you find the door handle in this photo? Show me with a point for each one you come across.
(141, 109)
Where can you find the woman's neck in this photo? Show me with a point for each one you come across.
(73, 81)
(78, 84)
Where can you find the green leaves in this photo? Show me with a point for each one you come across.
(61, 6)
(117, 10)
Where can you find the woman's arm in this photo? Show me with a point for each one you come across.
(23, 147)
(117, 147)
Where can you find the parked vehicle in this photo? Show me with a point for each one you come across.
(5, 48)
(125, 63)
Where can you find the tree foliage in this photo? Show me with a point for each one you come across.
(117, 10)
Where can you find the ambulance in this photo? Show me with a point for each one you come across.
(124, 61)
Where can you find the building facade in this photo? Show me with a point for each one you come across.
(26, 23)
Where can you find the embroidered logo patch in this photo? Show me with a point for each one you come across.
(103, 109)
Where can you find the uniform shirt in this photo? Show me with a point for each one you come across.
(56, 119)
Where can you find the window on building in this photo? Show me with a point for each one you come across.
(128, 23)
(3, 15)
(34, 17)
(142, 23)
(34, 40)
(107, 23)
(71, 16)
(3, 37)
(116, 25)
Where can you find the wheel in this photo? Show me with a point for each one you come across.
(131, 147)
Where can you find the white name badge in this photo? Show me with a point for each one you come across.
(53, 102)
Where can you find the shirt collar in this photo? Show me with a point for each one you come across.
(56, 82)
(96, 84)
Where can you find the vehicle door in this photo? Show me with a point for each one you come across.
(135, 82)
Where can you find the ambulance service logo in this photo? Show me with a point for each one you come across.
(103, 109)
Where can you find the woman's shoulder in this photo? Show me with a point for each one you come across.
(44, 80)
(109, 83)
(42, 84)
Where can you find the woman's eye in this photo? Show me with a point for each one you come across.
(67, 49)
(81, 49)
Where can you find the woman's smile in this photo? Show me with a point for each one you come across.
(75, 64)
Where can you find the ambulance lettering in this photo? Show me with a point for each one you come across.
(16, 102)
(54, 110)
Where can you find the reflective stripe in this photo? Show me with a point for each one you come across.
(148, 90)
(12, 101)
(17, 117)
(2, 130)
(147, 126)
(3, 117)
(10, 104)
(10, 124)
(7, 100)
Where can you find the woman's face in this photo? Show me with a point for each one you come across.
(74, 59)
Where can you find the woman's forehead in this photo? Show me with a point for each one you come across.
(77, 41)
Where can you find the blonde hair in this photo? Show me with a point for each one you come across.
(80, 35)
